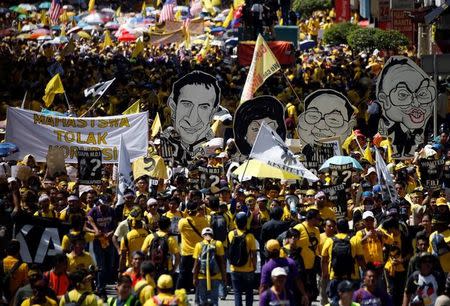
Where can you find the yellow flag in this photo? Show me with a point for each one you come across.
(205, 48)
(215, 127)
(91, 5)
(238, 3)
(387, 144)
(107, 41)
(229, 18)
(158, 3)
(208, 6)
(150, 165)
(347, 142)
(64, 17)
(19, 27)
(187, 38)
(44, 18)
(178, 15)
(53, 87)
(138, 49)
(63, 31)
(156, 125)
(133, 109)
(144, 9)
(368, 154)
(118, 11)
(264, 64)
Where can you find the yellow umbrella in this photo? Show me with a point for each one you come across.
(84, 34)
(259, 169)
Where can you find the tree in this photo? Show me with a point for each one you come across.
(364, 39)
(337, 33)
(391, 40)
(307, 7)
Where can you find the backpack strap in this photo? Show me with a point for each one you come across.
(138, 292)
(112, 301)
(82, 298)
(193, 227)
(14, 268)
(66, 298)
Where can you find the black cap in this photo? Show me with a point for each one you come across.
(345, 286)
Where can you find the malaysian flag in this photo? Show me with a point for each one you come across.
(55, 10)
(167, 11)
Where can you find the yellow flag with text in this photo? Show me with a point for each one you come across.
(54, 86)
(150, 165)
(156, 125)
(133, 109)
(264, 64)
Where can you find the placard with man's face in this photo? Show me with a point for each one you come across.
(406, 95)
(328, 113)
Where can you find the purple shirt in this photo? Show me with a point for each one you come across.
(268, 297)
(104, 222)
(377, 298)
(287, 264)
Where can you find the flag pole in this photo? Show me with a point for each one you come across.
(95, 102)
(24, 99)
(67, 100)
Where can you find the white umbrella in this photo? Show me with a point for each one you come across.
(94, 18)
(29, 27)
(28, 7)
(68, 7)
(59, 40)
(44, 38)
(108, 11)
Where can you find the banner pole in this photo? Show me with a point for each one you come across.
(245, 169)
(292, 88)
(67, 100)
(24, 99)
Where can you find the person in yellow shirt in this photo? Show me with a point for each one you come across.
(190, 230)
(164, 263)
(242, 271)
(166, 295)
(209, 268)
(151, 215)
(73, 209)
(124, 294)
(76, 231)
(440, 240)
(145, 288)
(309, 244)
(370, 241)
(321, 204)
(133, 240)
(38, 297)
(174, 215)
(79, 259)
(18, 270)
(81, 294)
(330, 232)
(45, 211)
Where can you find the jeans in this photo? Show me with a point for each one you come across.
(205, 297)
(105, 262)
(185, 277)
(242, 282)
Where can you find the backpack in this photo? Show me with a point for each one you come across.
(5, 278)
(439, 246)
(237, 251)
(296, 257)
(219, 227)
(341, 257)
(158, 253)
(208, 250)
(80, 301)
(159, 302)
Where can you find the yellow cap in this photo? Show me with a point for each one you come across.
(310, 192)
(272, 245)
(400, 166)
(165, 282)
(441, 201)
(249, 199)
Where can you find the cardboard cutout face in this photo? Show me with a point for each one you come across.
(251, 114)
(193, 102)
(406, 95)
(328, 113)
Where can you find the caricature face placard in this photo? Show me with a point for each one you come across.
(328, 113)
(251, 114)
(193, 102)
(406, 95)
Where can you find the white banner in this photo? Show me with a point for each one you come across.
(271, 149)
(125, 172)
(34, 133)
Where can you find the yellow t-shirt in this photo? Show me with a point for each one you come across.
(189, 238)
(63, 216)
(74, 296)
(48, 302)
(133, 242)
(20, 276)
(172, 242)
(372, 248)
(174, 220)
(219, 252)
(65, 244)
(152, 220)
(327, 213)
(306, 243)
(146, 292)
(251, 247)
(327, 251)
(51, 214)
(445, 258)
(79, 262)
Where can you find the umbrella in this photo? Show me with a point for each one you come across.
(28, 7)
(112, 25)
(84, 34)
(29, 27)
(218, 29)
(74, 29)
(94, 18)
(7, 148)
(307, 44)
(68, 7)
(59, 40)
(341, 161)
(43, 38)
(7, 32)
(45, 5)
(108, 11)
(259, 169)
(126, 37)
(17, 9)
(90, 28)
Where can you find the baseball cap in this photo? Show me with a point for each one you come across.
(72, 198)
(272, 245)
(320, 194)
(310, 192)
(278, 271)
(371, 170)
(441, 201)
(367, 194)
(345, 286)
(152, 201)
(207, 231)
(165, 282)
(261, 199)
(368, 214)
(43, 198)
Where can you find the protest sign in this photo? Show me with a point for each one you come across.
(337, 195)
(90, 167)
(249, 117)
(406, 95)
(35, 133)
(55, 162)
(210, 177)
(431, 172)
(151, 165)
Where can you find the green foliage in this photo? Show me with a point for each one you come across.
(337, 33)
(307, 7)
(364, 39)
(391, 40)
